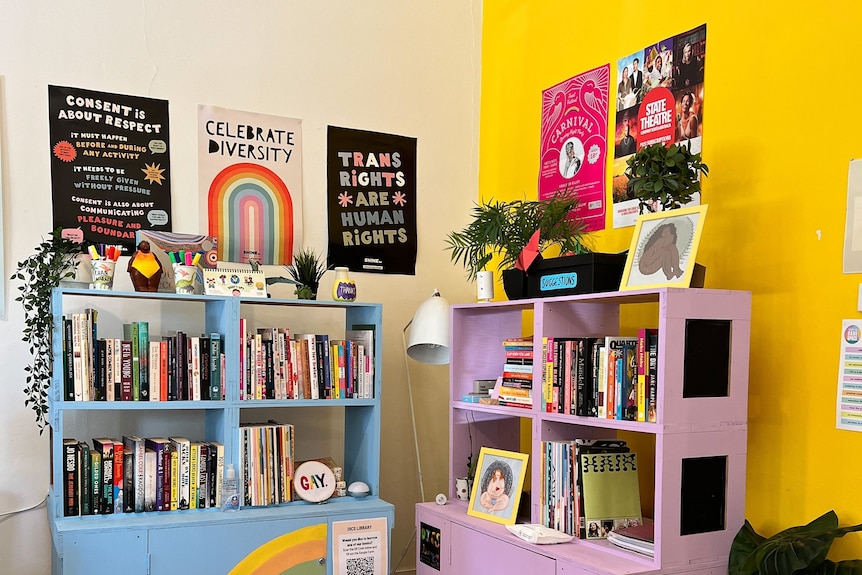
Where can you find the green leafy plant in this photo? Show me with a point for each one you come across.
(52, 261)
(801, 550)
(667, 177)
(306, 270)
(504, 229)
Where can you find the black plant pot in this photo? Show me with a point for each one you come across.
(515, 283)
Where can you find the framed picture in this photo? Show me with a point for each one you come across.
(497, 488)
(663, 248)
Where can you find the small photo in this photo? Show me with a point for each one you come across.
(571, 157)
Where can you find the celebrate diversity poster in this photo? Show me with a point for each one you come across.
(110, 164)
(573, 149)
(250, 174)
(660, 99)
(371, 201)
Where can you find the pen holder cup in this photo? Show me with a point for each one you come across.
(187, 279)
(103, 274)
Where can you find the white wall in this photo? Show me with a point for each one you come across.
(408, 68)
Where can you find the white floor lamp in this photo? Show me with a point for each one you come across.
(428, 343)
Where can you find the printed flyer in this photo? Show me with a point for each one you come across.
(371, 201)
(250, 174)
(849, 408)
(659, 99)
(110, 164)
(574, 143)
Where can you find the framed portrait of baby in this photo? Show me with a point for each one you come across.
(497, 486)
(663, 248)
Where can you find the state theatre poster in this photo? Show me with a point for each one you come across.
(659, 98)
(250, 178)
(574, 143)
(371, 201)
(110, 164)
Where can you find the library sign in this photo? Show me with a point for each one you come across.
(371, 201)
(110, 164)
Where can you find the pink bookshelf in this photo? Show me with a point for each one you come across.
(693, 457)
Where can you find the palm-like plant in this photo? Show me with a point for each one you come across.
(306, 270)
(504, 228)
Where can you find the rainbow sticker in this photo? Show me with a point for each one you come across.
(251, 212)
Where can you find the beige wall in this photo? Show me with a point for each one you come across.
(408, 68)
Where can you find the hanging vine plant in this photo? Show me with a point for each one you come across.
(52, 261)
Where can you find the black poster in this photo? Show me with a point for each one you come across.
(110, 164)
(371, 201)
(429, 545)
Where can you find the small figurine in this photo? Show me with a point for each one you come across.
(145, 269)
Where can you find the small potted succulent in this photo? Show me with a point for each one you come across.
(305, 272)
(664, 176)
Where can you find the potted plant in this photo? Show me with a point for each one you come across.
(800, 549)
(52, 261)
(505, 228)
(664, 176)
(306, 271)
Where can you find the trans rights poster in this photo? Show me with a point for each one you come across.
(659, 99)
(250, 177)
(110, 164)
(371, 201)
(574, 143)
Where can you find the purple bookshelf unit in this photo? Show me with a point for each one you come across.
(692, 472)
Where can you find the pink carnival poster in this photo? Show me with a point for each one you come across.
(574, 142)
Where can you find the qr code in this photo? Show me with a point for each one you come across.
(360, 566)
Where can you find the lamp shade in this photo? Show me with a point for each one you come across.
(429, 331)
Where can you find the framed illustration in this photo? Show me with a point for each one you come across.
(663, 248)
(497, 488)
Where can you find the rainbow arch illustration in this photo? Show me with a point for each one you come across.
(251, 212)
(296, 552)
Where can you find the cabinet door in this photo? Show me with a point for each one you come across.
(253, 547)
(474, 552)
(105, 552)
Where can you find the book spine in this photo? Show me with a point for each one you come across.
(150, 481)
(640, 387)
(86, 484)
(175, 478)
(128, 478)
(71, 474)
(126, 367)
(195, 360)
(118, 361)
(109, 369)
(164, 365)
(215, 367)
(182, 368)
(652, 375)
(144, 360)
(77, 362)
(95, 477)
(167, 458)
(203, 475)
(119, 475)
(130, 333)
(68, 361)
(155, 363)
(101, 366)
(140, 474)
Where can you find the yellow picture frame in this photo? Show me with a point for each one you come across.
(663, 248)
(497, 487)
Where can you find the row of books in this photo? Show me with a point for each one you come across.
(614, 377)
(589, 487)
(135, 475)
(516, 389)
(278, 365)
(267, 461)
(138, 367)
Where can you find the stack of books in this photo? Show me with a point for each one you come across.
(517, 382)
(638, 538)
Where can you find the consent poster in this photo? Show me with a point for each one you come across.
(659, 99)
(250, 178)
(574, 143)
(371, 201)
(110, 164)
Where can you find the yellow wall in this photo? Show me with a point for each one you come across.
(780, 126)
